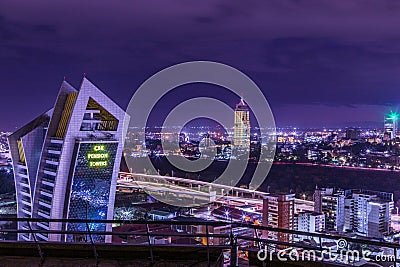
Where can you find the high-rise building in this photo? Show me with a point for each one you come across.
(241, 131)
(66, 163)
(348, 214)
(278, 211)
(368, 212)
(364, 212)
(310, 222)
(317, 200)
(331, 204)
(25, 149)
(390, 124)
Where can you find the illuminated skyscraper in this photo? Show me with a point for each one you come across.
(391, 124)
(66, 162)
(241, 131)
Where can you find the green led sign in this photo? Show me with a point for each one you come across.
(98, 157)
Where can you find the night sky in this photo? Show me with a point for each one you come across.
(319, 63)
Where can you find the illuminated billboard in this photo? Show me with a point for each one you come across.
(98, 157)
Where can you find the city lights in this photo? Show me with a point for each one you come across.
(225, 130)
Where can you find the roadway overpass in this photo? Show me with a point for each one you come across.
(200, 191)
(181, 188)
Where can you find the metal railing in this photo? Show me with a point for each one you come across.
(234, 236)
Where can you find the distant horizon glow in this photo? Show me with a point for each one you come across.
(335, 64)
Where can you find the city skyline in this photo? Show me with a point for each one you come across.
(252, 133)
(376, 114)
(87, 124)
(342, 65)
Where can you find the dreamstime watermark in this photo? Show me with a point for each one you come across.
(340, 254)
(152, 90)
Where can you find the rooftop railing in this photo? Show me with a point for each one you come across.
(238, 238)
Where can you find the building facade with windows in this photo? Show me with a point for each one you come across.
(279, 212)
(369, 213)
(241, 131)
(363, 212)
(310, 222)
(331, 203)
(66, 162)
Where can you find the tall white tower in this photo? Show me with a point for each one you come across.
(241, 131)
(66, 163)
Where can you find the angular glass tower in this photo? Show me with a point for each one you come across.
(66, 162)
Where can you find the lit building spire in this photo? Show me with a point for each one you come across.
(241, 131)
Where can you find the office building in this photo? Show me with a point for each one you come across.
(368, 212)
(66, 163)
(390, 125)
(317, 197)
(310, 222)
(241, 131)
(363, 212)
(278, 211)
(330, 202)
